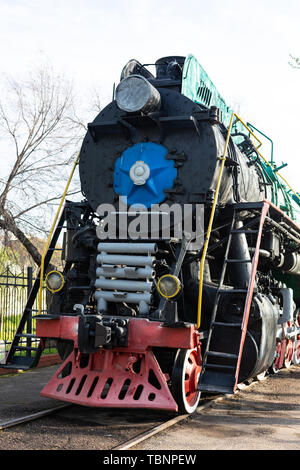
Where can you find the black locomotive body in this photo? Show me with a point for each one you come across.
(125, 311)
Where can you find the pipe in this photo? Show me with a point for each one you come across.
(128, 272)
(288, 305)
(123, 285)
(127, 248)
(128, 260)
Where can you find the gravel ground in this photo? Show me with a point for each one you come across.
(266, 416)
(80, 428)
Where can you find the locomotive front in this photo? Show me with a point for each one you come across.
(124, 311)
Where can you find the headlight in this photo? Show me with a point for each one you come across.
(54, 281)
(169, 286)
(136, 94)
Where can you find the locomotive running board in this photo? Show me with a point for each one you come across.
(113, 379)
(223, 378)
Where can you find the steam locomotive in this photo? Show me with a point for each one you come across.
(146, 314)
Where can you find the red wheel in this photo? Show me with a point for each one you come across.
(277, 358)
(297, 317)
(289, 350)
(296, 356)
(289, 353)
(186, 371)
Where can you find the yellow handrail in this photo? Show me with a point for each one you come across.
(51, 232)
(199, 310)
(211, 219)
(249, 130)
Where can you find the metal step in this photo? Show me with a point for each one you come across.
(26, 348)
(217, 381)
(22, 362)
(248, 206)
(15, 366)
(219, 366)
(26, 335)
(216, 389)
(238, 260)
(234, 325)
(222, 354)
(235, 231)
(232, 291)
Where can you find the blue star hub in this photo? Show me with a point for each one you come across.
(161, 177)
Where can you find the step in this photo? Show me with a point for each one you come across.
(238, 260)
(232, 291)
(234, 325)
(220, 381)
(244, 206)
(222, 354)
(19, 362)
(216, 389)
(15, 366)
(26, 335)
(25, 348)
(219, 366)
(234, 231)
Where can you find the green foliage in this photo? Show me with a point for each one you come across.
(295, 62)
(7, 258)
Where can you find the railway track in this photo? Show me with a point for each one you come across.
(207, 402)
(31, 417)
(131, 442)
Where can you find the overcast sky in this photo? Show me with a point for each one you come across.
(243, 45)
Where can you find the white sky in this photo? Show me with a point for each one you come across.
(243, 45)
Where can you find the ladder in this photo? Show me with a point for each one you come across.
(22, 356)
(220, 369)
(15, 359)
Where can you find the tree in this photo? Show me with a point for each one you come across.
(295, 62)
(39, 138)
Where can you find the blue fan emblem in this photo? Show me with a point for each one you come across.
(143, 173)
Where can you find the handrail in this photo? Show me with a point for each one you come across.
(268, 138)
(199, 309)
(211, 219)
(249, 130)
(51, 232)
(271, 166)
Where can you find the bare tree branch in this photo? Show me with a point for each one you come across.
(42, 129)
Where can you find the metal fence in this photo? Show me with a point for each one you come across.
(14, 290)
